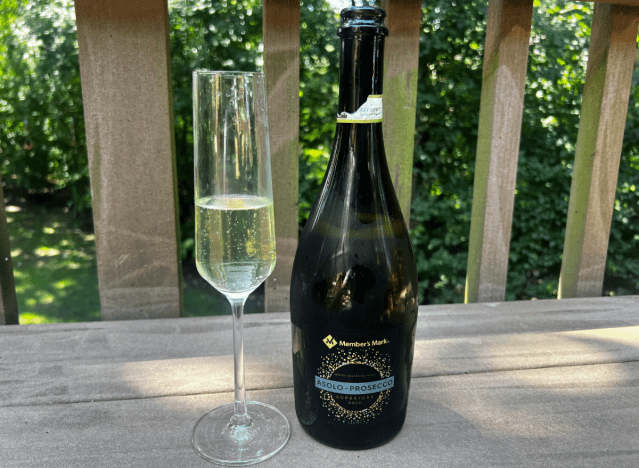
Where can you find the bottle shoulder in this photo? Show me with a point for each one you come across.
(357, 181)
(354, 263)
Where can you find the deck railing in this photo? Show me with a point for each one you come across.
(126, 87)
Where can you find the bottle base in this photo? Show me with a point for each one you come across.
(350, 437)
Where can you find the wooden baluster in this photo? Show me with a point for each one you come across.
(8, 299)
(128, 109)
(282, 69)
(500, 116)
(601, 126)
(401, 60)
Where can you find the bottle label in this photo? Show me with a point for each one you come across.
(355, 377)
(369, 112)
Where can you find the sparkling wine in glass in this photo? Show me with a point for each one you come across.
(235, 245)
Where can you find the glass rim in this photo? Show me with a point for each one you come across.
(204, 72)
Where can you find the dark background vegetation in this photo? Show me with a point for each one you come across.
(43, 145)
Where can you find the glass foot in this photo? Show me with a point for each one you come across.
(216, 439)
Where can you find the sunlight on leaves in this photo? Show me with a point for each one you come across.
(65, 283)
(46, 298)
(32, 319)
(47, 252)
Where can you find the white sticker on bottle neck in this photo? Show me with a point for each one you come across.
(369, 112)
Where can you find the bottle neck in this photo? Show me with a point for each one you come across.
(361, 70)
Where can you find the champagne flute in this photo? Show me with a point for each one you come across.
(235, 245)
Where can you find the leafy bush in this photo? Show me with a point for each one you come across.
(449, 89)
(41, 116)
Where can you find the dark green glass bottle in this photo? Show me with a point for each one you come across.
(354, 286)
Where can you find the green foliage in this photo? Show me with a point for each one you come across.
(449, 88)
(319, 80)
(41, 116)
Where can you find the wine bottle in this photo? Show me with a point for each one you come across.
(354, 290)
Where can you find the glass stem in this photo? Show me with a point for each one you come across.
(240, 417)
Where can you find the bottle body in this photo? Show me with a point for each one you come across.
(354, 284)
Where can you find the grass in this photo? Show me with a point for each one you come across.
(55, 267)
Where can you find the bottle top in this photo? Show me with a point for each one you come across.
(364, 19)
